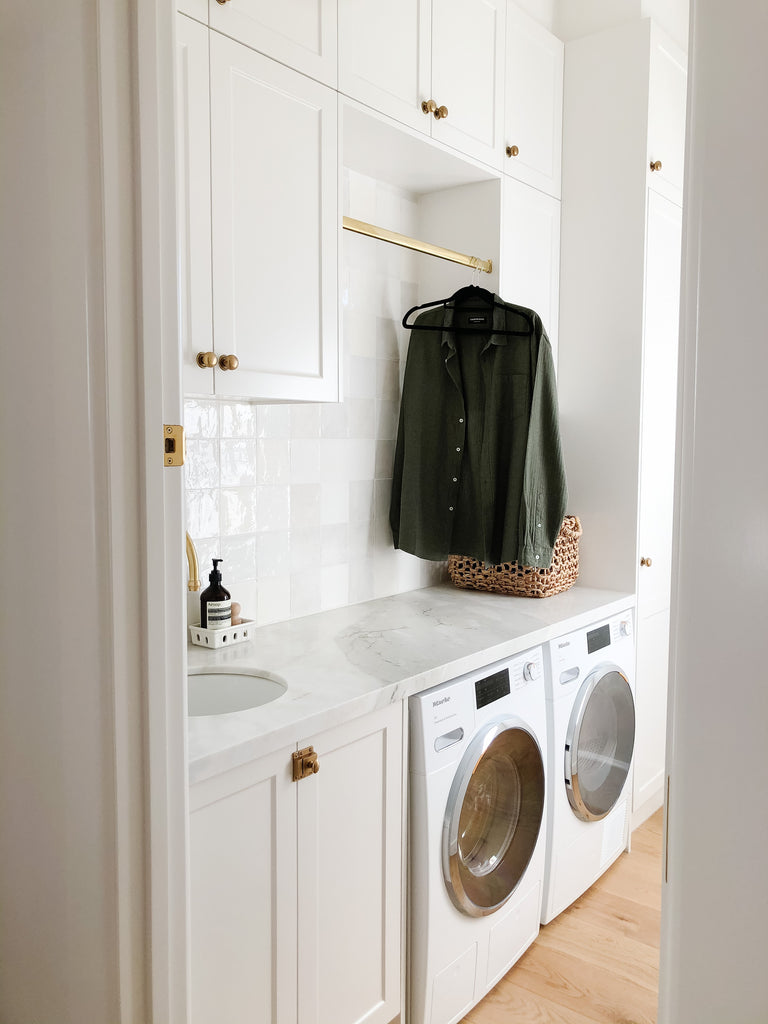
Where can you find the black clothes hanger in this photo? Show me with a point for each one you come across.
(468, 298)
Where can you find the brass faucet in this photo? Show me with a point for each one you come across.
(194, 568)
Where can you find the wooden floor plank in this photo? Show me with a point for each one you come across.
(597, 962)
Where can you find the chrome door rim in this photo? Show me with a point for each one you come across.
(572, 785)
(455, 874)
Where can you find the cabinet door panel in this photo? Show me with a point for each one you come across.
(530, 253)
(243, 896)
(275, 227)
(533, 111)
(659, 401)
(350, 880)
(384, 56)
(193, 192)
(301, 34)
(666, 117)
(468, 42)
(651, 679)
(197, 9)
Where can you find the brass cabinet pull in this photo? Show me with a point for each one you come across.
(305, 763)
(646, 561)
(206, 359)
(512, 150)
(655, 165)
(430, 107)
(228, 362)
(222, 2)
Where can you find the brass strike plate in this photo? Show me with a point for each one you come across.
(173, 445)
(305, 763)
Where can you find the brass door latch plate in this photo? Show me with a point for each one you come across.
(173, 445)
(305, 763)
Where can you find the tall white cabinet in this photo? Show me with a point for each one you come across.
(623, 137)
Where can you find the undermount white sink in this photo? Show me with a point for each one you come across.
(222, 691)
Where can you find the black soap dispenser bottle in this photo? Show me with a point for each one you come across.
(215, 602)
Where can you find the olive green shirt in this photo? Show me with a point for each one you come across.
(478, 465)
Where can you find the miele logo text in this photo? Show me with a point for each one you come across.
(437, 703)
(566, 643)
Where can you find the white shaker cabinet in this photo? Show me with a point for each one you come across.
(300, 34)
(258, 216)
(296, 886)
(619, 299)
(437, 67)
(533, 108)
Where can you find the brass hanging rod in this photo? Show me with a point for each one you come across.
(385, 235)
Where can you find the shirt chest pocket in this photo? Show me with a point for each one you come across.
(512, 394)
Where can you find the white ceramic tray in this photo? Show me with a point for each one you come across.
(223, 637)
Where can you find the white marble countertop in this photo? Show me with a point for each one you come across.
(344, 663)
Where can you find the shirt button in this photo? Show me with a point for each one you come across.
(450, 508)
(455, 479)
(537, 558)
(538, 526)
(461, 419)
(458, 449)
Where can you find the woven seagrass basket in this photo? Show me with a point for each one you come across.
(524, 580)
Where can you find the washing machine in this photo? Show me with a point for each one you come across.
(589, 685)
(477, 833)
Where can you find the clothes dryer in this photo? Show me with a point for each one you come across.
(477, 833)
(591, 733)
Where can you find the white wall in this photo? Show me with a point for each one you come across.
(715, 904)
(67, 955)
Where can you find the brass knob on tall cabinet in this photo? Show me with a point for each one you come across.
(646, 561)
(222, 2)
(655, 165)
(441, 112)
(228, 362)
(512, 150)
(206, 359)
(428, 106)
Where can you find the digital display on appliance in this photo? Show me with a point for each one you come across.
(491, 688)
(598, 638)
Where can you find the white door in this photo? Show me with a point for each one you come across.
(529, 273)
(301, 34)
(193, 178)
(349, 873)
(468, 43)
(243, 895)
(533, 110)
(384, 57)
(667, 97)
(275, 205)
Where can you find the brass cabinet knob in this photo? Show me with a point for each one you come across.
(655, 165)
(428, 106)
(512, 150)
(228, 362)
(441, 112)
(646, 561)
(222, 2)
(206, 359)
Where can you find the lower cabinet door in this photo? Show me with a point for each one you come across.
(350, 874)
(243, 895)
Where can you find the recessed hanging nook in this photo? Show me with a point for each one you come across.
(361, 228)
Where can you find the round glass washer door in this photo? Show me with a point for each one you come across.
(599, 743)
(493, 817)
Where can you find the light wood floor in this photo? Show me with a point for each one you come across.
(597, 963)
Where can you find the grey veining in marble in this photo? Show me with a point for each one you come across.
(344, 663)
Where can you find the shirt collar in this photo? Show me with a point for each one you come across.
(448, 336)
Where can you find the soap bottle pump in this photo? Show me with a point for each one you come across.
(215, 603)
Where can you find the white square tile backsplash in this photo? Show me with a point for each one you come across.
(295, 498)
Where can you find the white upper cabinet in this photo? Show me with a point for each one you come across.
(439, 69)
(533, 109)
(197, 9)
(666, 114)
(275, 224)
(193, 194)
(384, 56)
(468, 41)
(301, 34)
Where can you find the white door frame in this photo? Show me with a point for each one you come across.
(165, 608)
